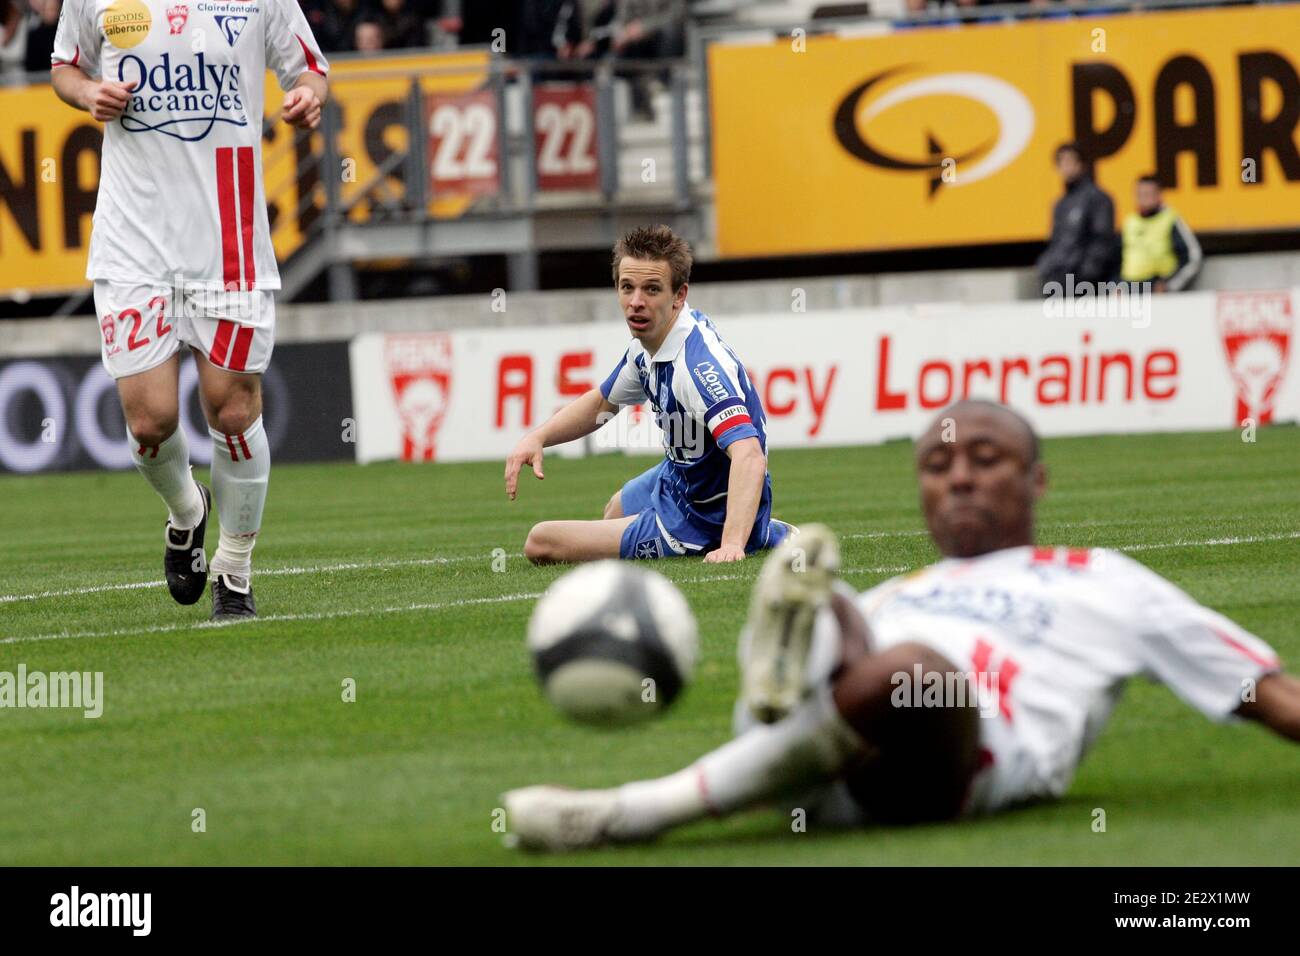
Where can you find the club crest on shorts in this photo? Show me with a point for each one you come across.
(419, 368)
(1256, 330)
(649, 549)
(108, 328)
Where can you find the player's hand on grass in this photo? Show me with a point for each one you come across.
(725, 554)
(527, 452)
(107, 99)
(301, 108)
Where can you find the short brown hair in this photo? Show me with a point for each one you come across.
(656, 244)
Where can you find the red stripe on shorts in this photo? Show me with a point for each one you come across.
(239, 354)
(221, 343)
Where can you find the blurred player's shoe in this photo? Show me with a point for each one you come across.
(183, 558)
(232, 597)
(790, 529)
(793, 586)
(556, 819)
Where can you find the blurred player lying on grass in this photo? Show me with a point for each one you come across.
(711, 495)
(969, 686)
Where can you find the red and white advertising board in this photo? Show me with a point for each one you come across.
(1192, 362)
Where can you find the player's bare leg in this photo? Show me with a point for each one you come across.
(551, 542)
(614, 507)
(162, 455)
(241, 468)
(845, 727)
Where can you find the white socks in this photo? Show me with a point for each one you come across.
(241, 466)
(807, 747)
(167, 468)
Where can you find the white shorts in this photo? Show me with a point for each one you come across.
(141, 326)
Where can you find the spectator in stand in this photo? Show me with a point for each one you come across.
(1083, 244)
(369, 36)
(41, 27)
(550, 29)
(480, 18)
(638, 29)
(650, 29)
(13, 38)
(1158, 245)
(334, 22)
(403, 27)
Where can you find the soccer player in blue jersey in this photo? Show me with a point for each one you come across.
(711, 495)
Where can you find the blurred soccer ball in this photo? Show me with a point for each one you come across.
(613, 643)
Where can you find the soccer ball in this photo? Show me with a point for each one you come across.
(613, 643)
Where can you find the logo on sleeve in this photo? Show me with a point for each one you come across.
(711, 381)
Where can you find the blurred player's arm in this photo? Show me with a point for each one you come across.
(1276, 705)
(74, 64)
(297, 61)
(103, 99)
(302, 104)
(576, 420)
(744, 490)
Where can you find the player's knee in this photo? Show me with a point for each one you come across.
(235, 415)
(539, 547)
(614, 507)
(151, 428)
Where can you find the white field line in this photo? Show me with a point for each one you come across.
(319, 616)
(261, 572)
(499, 599)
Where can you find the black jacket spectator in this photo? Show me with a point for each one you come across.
(41, 27)
(402, 26)
(1083, 243)
(334, 22)
(549, 26)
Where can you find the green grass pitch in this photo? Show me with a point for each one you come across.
(383, 574)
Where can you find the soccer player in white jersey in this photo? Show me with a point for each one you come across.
(711, 496)
(972, 685)
(181, 253)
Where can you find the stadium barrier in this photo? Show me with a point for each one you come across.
(61, 413)
(1093, 365)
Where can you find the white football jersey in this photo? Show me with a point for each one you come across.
(1062, 629)
(180, 189)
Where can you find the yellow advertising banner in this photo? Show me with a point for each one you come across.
(944, 136)
(49, 163)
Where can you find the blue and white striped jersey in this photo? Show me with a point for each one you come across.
(703, 400)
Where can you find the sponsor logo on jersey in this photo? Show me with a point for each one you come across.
(176, 17)
(1256, 330)
(711, 380)
(1020, 614)
(419, 367)
(126, 23)
(182, 97)
(231, 27)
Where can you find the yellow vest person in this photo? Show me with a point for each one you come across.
(1158, 245)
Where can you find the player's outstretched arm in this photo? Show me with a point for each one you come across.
(579, 418)
(103, 99)
(744, 491)
(1276, 705)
